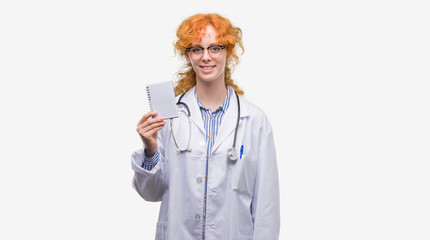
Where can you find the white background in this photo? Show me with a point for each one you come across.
(344, 83)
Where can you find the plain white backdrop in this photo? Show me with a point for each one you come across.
(344, 83)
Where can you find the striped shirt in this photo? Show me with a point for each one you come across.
(212, 122)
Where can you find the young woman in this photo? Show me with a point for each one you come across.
(226, 185)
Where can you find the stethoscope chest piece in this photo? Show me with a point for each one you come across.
(232, 154)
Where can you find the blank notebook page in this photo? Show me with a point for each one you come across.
(161, 98)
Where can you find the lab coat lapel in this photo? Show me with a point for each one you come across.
(196, 115)
(228, 123)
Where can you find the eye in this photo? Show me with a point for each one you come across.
(196, 50)
(215, 49)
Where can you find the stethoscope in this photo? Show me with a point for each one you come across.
(231, 152)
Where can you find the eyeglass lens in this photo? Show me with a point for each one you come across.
(214, 51)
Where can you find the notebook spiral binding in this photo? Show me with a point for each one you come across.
(148, 94)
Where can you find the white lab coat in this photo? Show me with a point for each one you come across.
(243, 196)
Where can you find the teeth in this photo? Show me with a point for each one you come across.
(207, 67)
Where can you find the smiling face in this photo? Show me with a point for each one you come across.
(208, 69)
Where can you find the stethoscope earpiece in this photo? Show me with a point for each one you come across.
(185, 150)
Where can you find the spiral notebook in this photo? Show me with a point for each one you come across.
(161, 98)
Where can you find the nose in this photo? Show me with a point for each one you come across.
(206, 57)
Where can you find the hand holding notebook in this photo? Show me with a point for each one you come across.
(161, 98)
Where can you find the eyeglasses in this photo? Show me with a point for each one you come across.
(197, 52)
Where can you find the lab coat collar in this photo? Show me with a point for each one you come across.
(228, 123)
(229, 120)
(196, 115)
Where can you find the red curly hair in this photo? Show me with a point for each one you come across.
(191, 30)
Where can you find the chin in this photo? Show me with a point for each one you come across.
(211, 77)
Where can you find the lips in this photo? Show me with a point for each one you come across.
(206, 69)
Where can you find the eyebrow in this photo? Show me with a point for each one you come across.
(198, 45)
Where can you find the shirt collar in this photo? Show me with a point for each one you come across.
(224, 105)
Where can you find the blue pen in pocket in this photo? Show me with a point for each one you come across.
(241, 152)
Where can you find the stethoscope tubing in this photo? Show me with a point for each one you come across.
(230, 152)
(237, 121)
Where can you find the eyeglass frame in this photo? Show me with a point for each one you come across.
(203, 49)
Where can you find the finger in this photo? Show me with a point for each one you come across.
(146, 116)
(150, 127)
(147, 128)
(151, 135)
(150, 122)
(154, 130)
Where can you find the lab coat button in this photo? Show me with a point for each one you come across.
(197, 217)
(199, 180)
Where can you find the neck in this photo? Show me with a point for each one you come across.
(211, 95)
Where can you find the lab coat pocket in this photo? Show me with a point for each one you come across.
(161, 233)
(244, 173)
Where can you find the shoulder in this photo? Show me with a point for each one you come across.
(187, 94)
(256, 116)
(252, 109)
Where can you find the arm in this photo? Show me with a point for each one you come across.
(149, 184)
(149, 170)
(265, 201)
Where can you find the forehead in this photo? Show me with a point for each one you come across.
(208, 36)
